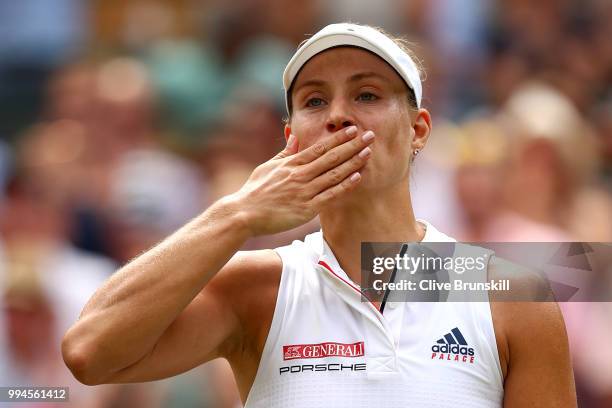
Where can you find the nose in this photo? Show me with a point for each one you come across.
(339, 117)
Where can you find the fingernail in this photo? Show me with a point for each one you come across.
(355, 177)
(367, 136)
(351, 130)
(290, 140)
(365, 152)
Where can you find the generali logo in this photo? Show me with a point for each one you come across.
(320, 350)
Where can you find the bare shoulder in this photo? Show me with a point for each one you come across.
(532, 340)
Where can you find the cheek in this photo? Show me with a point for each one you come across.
(394, 122)
(307, 139)
(395, 138)
(392, 151)
(308, 130)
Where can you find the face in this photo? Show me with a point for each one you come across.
(349, 86)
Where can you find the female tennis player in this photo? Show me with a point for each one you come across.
(291, 321)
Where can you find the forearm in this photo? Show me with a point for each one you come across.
(124, 319)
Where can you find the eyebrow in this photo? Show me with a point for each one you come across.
(365, 75)
(354, 78)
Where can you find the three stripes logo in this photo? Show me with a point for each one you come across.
(453, 347)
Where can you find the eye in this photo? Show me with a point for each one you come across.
(314, 102)
(367, 96)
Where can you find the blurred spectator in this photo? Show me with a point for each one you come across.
(30, 324)
(553, 163)
(481, 150)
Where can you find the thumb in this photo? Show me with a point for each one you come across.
(290, 149)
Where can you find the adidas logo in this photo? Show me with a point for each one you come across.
(453, 347)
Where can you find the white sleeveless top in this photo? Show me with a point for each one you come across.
(327, 348)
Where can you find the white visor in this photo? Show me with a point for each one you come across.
(335, 35)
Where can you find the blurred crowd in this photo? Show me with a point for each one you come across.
(121, 120)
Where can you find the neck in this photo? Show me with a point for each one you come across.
(374, 216)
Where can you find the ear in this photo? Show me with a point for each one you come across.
(422, 129)
(287, 131)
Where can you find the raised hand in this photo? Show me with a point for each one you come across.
(291, 188)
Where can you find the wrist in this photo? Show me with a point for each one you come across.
(233, 208)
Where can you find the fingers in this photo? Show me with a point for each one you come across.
(289, 150)
(331, 193)
(338, 155)
(337, 174)
(322, 147)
